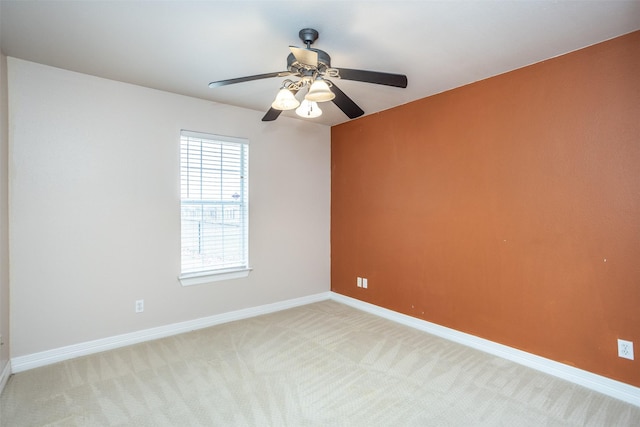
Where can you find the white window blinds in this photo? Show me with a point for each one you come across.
(214, 203)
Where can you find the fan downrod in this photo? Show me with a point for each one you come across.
(308, 36)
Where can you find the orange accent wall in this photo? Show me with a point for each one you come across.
(508, 209)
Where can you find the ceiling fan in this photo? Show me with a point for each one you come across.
(312, 68)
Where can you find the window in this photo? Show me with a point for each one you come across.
(213, 207)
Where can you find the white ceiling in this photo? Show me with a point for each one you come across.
(180, 46)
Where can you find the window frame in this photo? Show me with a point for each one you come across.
(220, 273)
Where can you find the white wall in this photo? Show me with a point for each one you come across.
(4, 227)
(94, 208)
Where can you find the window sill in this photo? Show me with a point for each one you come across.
(200, 278)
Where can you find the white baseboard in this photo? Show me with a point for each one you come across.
(4, 375)
(607, 386)
(604, 385)
(35, 360)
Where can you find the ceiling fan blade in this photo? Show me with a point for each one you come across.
(248, 78)
(345, 103)
(271, 115)
(305, 56)
(397, 80)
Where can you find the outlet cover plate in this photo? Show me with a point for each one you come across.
(625, 349)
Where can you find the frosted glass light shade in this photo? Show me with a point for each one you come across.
(285, 100)
(309, 110)
(319, 92)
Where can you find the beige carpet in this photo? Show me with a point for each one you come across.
(324, 364)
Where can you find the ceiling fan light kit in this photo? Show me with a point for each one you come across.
(319, 92)
(285, 100)
(313, 69)
(309, 109)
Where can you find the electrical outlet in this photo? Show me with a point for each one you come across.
(359, 282)
(365, 282)
(625, 349)
(139, 306)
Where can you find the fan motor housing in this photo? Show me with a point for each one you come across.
(324, 61)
